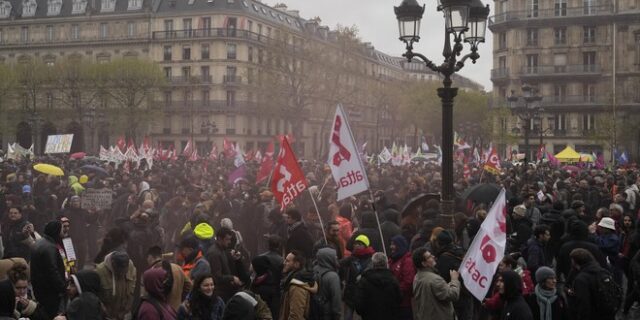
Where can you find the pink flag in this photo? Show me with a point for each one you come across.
(213, 155)
(553, 160)
(486, 251)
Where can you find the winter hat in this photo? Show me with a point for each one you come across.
(607, 223)
(226, 223)
(402, 246)
(520, 210)
(363, 239)
(204, 231)
(544, 273)
(26, 188)
(444, 238)
(119, 261)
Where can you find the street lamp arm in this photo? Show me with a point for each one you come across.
(410, 55)
(473, 55)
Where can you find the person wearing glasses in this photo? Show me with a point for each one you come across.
(433, 297)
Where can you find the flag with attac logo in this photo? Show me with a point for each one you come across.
(486, 251)
(344, 159)
(287, 181)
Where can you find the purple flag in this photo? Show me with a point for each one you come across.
(600, 161)
(552, 160)
(238, 174)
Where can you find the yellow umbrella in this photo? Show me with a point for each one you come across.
(48, 169)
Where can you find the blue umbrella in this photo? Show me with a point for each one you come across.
(97, 170)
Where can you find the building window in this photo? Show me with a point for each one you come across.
(560, 36)
(205, 97)
(167, 53)
(560, 122)
(589, 33)
(205, 25)
(560, 8)
(637, 36)
(559, 93)
(588, 92)
(532, 37)
(231, 124)
(204, 51)
(186, 125)
(204, 72)
(560, 63)
(166, 129)
(49, 100)
(231, 27)
(589, 7)
(187, 27)
(24, 34)
(167, 72)
(532, 8)
(250, 54)
(502, 40)
(75, 32)
(1, 36)
(532, 63)
(250, 25)
(589, 61)
(104, 30)
(131, 29)
(186, 73)
(588, 122)
(186, 52)
(260, 56)
(50, 33)
(168, 29)
(231, 51)
(167, 94)
(231, 98)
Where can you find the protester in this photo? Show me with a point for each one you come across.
(299, 237)
(48, 271)
(432, 297)
(193, 262)
(180, 284)
(515, 307)
(117, 282)
(329, 291)
(379, 294)
(402, 268)
(154, 305)
(297, 288)
(202, 303)
(26, 306)
(87, 304)
(583, 294)
(547, 303)
(352, 267)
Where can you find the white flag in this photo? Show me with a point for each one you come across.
(344, 158)
(486, 251)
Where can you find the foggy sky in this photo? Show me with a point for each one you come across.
(377, 24)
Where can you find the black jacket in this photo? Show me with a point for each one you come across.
(87, 305)
(14, 240)
(582, 301)
(48, 275)
(378, 295)
(515, 308)
(300, 239)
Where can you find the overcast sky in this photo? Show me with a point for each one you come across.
(377, 24)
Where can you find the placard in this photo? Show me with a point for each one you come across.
(98, 199)
(68, 249)
(60, 143)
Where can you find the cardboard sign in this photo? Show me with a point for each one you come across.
(98, 199)
(69, 250)
(60, 143)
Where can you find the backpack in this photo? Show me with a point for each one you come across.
(317, 302)
(152, 301)
(609, 293)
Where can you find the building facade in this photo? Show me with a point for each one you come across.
(583, 58)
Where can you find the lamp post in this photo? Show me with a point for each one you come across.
(35, 121)
(527, 110)
(208, 128)
(465, 21)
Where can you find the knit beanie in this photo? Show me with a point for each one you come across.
(544, 273)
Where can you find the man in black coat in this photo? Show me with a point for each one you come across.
(378, 292)
(510, 288)
(299, 237)
(48, 271)
(583, 293)
(578, 232)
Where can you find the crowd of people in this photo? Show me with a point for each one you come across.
(180, 242)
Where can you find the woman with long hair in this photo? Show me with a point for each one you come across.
(202, 303)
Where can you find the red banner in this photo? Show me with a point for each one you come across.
(288, 180)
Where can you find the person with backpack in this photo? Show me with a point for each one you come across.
(297, 287)
(179, 284)
(202, 303)
(154, 305)
(593, 295)
(352, 267)
(327, 303)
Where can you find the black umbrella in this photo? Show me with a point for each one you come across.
(416, 202)
(482, 193)
(97, 170)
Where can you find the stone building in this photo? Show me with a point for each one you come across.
(583, 57)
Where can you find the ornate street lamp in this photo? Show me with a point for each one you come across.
(464, 19)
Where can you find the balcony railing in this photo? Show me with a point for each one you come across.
(500, 73)
(561, 70)
(207, 33)
(582, 11)
(187, 107)
(190, 79)
(231, 80)
(574, 100)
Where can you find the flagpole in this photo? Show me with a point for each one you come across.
(315, 205)
(326, 180)
(375, 212)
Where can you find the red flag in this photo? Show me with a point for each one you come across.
(466, 172)
(288, 180)
(188, 149)
(228, 148)
(131, 144)
(121, 144)
(146, 143)
(541, 152)
(213, 155)
(493, 162)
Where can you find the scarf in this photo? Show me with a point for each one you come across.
(545, 300)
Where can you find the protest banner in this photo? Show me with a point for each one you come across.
(98, 199)
(59, 143)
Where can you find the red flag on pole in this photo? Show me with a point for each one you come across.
(288, 180)
(121, 144)
(493, 162)
(228, 148)
(213, 155)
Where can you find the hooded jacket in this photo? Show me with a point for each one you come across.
(47, 270)
(87, 305)
(378, 295)
(515, 308)
(328, 282)
(578, 231)
(153, 281)
(297, 290)
(401, 265)
(116, 291)
(585, 288)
